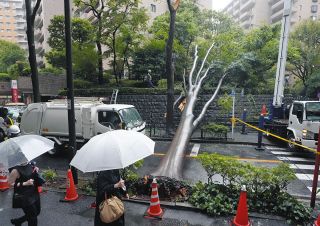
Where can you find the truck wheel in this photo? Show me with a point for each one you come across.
(55, 150)
(292, 147)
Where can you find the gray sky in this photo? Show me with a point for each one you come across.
(219, 4)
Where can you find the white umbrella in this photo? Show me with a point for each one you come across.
(21, 149)
(113, 150)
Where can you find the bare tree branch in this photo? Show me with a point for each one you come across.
(204, 109)
(203, 62)
(198, 86)
(193, 68)
(34, 12)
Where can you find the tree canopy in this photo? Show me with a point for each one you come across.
(10, 53)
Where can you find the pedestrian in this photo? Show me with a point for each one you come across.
(109, 183)
(21, 178)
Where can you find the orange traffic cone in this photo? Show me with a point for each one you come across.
(317, 222)
(71, 193)
(4, 185)
(241, 218)
(264, 110)
(154, 211)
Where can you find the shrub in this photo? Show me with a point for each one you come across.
(215, 128)
(265, 189)
(4, 77)
(49, 174)
(82, 84)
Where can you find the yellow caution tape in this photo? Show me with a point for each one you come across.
(233, 122)
(276, 136)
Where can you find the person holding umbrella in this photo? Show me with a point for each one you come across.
(107, 153)
(21, 177)
(109, 183)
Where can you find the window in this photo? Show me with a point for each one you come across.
(314, 0)
(313, 111)
(109, 119)
(313, 17)
(314, 8)
(153, 8)
(297, 110)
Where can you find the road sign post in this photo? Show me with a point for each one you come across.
(315, 175)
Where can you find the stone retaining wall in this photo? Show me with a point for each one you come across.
(153, 107)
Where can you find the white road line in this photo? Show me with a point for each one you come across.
(296, 159)
(302, 176)
(282, 153)
(310, 188)
(195, 150)
(301, 166)
(275, 148)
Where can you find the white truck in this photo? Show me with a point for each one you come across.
(92, 117)
(301, 123)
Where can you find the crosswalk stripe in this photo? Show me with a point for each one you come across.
(301, 166)
(302, 176)
(195, 150)
(275, 148)
(296, 159)
(310, 188)
(282, 153)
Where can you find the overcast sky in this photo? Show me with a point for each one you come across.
(220, 4)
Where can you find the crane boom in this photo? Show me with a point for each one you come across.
(282, 55)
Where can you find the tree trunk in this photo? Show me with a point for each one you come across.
(171, 165)
(170, 74)
(98, 43)
(114, 63)
(32, 53)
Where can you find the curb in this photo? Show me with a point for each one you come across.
(203, 141)
(179, 206)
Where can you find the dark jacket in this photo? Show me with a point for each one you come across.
(30, 192)
(105, 184)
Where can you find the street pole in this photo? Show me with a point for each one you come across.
(315, 174)
(70, 101)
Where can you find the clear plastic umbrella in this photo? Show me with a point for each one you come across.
(21, 149)
(113, 150)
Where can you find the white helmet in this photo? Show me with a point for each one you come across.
(13, 130)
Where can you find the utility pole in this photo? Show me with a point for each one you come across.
(71, 117)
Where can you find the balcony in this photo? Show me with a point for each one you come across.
(276, 17)
(277, 7)
(245, 16)
(247, 5)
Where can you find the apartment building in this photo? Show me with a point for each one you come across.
(205, 4)
(253, 13)
(12, 22)
(46, 11)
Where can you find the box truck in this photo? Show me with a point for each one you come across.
(92, 117)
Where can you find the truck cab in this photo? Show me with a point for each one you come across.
(303, 123)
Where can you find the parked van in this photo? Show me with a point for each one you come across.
(92, 117)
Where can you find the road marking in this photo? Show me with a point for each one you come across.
(296, 159)
(275, 148)
(1, 209)
(302, 176)
(301, 166)
(195, 150)
(310, 188)
(282, 153)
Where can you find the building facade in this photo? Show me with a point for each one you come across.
(253, 13)
(12, 22)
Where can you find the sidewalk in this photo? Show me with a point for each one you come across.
(78, 213)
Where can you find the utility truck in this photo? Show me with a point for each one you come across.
(299, 122)
(92, 117)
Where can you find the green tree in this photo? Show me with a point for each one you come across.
(123, 28)
(10, 53)
(306, 38)
(81, 32)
